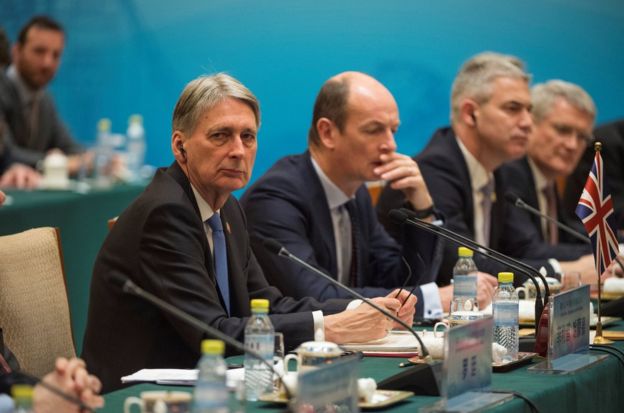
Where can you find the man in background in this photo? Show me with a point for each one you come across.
(317, 206)
(34, 125)
(611, 135)
(490, 125)
(563, 118)
(12, 174)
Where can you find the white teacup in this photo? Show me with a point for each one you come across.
(434, 340)
(160, 402)
(311, 354)
(55, 171)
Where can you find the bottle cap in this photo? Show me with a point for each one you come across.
(212, 347)
(505, 277)
(22, 391)
(104, 125)
(464, 252)
(260, 304)
(136, 118)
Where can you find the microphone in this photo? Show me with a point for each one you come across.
(421, 379)
(22, 376)
(516, 201)
(404, 215)
(129, 287)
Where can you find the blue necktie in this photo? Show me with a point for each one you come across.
(220, 258)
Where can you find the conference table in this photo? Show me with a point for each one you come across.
(82, 219)
(598, 387)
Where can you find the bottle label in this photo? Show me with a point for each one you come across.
(505, 313)
(465, 286)
(262, 344)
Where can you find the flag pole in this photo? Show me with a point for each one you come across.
(599, 338)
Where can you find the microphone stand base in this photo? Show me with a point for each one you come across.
(421, 379)
(599, 339)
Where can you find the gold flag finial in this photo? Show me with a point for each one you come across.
(597, 146)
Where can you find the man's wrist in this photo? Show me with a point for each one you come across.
(421, 213)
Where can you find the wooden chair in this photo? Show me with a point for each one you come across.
(34, 309)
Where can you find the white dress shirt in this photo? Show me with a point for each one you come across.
(479, 177)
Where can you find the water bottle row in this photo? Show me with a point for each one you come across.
(130, 148)
(211, 395)
(505, 303)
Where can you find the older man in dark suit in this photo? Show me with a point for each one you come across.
(491, 122)
(185, 239)
(563, 115)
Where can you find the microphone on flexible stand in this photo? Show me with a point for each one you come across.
(22, 376)
(421, 378)
(130, 287)
(516, 201)
(404, 215)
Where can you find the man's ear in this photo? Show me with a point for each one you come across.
(327, 132)
(469, 112)
(177, 146)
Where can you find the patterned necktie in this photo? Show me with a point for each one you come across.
(551, 211)
(355, 234)
(220, 258)
(486, 206)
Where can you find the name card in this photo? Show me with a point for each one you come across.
(467, 358)
(331, 388)
(569, 323)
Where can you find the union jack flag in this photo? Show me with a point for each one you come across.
(595, 209)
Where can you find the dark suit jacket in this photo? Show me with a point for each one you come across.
(288, 204)
(522, 183)
(445, 170)
(51, 131)
(612, 137)
(159, 242)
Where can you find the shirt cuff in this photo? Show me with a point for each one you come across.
(556, 268)
(432, 305)
(319, 326)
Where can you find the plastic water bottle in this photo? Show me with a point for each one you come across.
(505, 308)
(259, 336)
(465, 280)
(23, 398)
(211, 394)
(103, 154)
(135, 146)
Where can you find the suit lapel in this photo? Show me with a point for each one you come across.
(321, 217)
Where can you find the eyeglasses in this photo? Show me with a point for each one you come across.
(567, 132)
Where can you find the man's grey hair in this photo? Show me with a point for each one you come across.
(204, 93)
(477, 75)
(544, 96)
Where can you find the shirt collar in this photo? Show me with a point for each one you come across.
(541, 182)
(26, 94)
(479, 176)
(205, 211)
(335, 196)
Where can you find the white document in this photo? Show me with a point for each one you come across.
(179, 377)
(396, 341)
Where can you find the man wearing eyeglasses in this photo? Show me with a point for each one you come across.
(563, 118)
